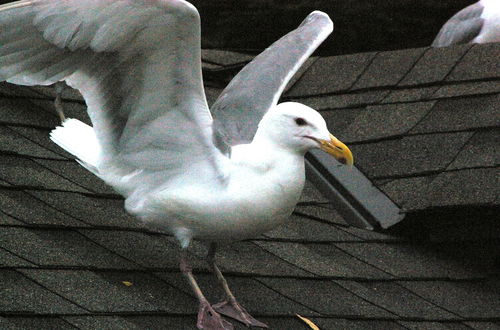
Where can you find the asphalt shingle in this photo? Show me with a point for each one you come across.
(301, 229)
(410, 95)
(325, 297)
(8, 90)
(433, 325)
(12, 142)
(72, 109)
(338, 121)
(74, 172)
(434, 65)
(340, 73)
(105, 291)
(467, 299)
(323, 213)
(6, 219)
(20, 323)
(59, 248)
(344, 100)
(465, 89)
(410, 155)
(22, 295)
(148, 250)
(464, 187)
(20, 111)
(10, 260)
(397, 299)
(475, 186)
(409, 193)
(461, 114)
(323, 260)
(253, 258)
(353, 324)
(388, 68)
(130, 322)
(22, 206)
(483, 325)
(99, 212)
(373, 236)
(409, 260)
(480, 151)
(22, 171)
(40, 136)
(383, 121)
(480, 62)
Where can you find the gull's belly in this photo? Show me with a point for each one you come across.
(245, 209)
(240, 218)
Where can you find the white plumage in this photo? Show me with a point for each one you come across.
(78, 139)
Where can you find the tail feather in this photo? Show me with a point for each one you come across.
(80, 140)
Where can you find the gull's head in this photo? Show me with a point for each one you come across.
(297, 127)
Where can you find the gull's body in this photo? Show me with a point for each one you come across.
(260, 195)
(153, 139)
(477, 23)
(263, 186)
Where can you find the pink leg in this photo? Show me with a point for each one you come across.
(230, 306)
(208, 318)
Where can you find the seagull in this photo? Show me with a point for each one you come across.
(477, 23)
(217, 175)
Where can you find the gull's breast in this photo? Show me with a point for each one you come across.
(251, 204)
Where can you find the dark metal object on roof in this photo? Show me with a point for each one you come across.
(355, 197)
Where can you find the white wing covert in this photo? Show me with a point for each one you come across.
(136, 63)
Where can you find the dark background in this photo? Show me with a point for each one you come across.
(360, 25)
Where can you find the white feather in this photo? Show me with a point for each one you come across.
(78, 139)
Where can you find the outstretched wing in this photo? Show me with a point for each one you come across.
(462, 28)
(259, 85)
(137, 64)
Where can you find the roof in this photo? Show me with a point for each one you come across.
(423, 126)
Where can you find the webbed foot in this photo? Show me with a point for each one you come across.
(235, 311)
(209, 319)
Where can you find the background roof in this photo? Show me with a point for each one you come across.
(422, 125)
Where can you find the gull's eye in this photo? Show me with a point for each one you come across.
(300, 121)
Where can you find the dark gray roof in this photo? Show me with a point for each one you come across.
(423, 126)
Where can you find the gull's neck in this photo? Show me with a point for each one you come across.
(263, 140)
(266, 154)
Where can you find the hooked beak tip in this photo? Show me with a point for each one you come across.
(338, 150)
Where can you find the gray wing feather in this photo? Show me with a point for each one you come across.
(258, 86)
(462, 28)
(137, 63)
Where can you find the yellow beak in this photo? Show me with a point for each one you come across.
(337, 149)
